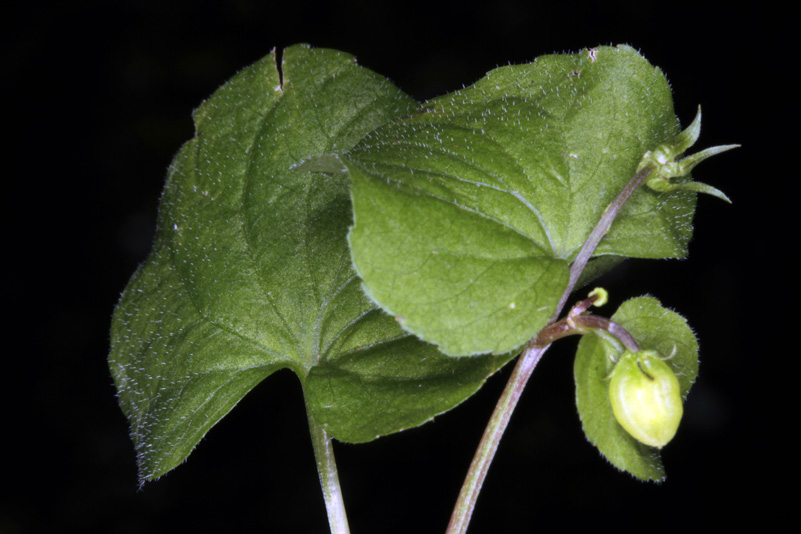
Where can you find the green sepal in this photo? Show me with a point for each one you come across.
(664, 166)
(664, 186)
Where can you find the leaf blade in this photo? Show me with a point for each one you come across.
(250, 272)
(524, 161)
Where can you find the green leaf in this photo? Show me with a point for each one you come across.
(655, 328)
(469, 213)
(250, 273)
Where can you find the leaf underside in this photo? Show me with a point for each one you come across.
(469, 213)
(655, 328)
(250, 273)
(466, 214)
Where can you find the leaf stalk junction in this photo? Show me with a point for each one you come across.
(656, 169)
(529, 359)
(579, 322)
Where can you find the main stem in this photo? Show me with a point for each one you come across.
(528, 360)
(492, 437)
(607, 218)
(329, 479)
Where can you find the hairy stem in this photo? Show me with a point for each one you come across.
(594, 322)
(607, 218)
(582, 324)
(329, 479)
(463, 511)
(492, 437)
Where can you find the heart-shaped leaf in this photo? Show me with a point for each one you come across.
(655, 328)
(469, 213)
(251, 273)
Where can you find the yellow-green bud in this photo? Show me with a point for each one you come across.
(646, 397)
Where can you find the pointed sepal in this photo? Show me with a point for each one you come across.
(664, 166)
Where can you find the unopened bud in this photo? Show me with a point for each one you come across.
(646, 397)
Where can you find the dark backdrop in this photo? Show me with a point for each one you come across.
(97, 100)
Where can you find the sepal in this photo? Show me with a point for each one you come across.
(664, 166)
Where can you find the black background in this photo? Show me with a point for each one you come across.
(97, 99)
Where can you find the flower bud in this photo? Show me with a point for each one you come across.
(664, 166)
(646, 397)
